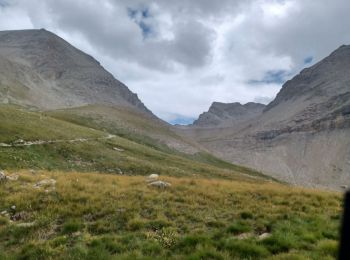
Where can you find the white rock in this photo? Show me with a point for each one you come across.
(244, 236)
(30, 224)
(264, 235)
(160, 184)
(13, 207)
(45, 182)
(119, 171)
(13, 177)
(153, 177)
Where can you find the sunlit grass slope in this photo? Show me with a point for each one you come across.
(95, 151)
(125, 122)
(99, 216)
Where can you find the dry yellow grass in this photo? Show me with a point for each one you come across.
(91, 214)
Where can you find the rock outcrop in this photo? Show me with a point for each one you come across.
(228, 114)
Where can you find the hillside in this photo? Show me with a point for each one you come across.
(131, 124)
(34, 140)
(303, 136)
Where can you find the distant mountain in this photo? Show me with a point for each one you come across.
(302, 136)
(40, 69)
(227, 114)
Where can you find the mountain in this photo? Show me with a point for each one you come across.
(221, 114)
(42, 70)
(302, 136)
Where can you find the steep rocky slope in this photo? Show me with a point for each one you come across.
(303, 136)
(221, 114)
(40, 69)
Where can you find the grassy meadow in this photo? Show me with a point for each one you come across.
(96, 203)
(100, 216)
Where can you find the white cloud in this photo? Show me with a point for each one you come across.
(194, 52)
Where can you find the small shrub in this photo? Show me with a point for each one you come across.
(246, 215)
(34, 252)
(190, 242)
(158, 224)
(238, 228)
(99, 227)
(135, 224)
(215, 224)
(107, 244)
(167, 237)
(279, 243)
(151, 249)
(72, 226)
(3, 221)
(246, 249)
(206, 253)
(58, 241)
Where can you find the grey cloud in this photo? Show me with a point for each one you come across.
(196, 52)
(192, 44)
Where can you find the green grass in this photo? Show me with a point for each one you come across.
(98, 216)
(126, 123)
(97, 154)
(216, 210)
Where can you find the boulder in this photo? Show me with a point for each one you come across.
(2, 176)
(264, 236)
(46, 182)
(153, 177)
(245, 236)
(160, 184)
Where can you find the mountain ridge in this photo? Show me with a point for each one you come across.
(224, 114)
(45, 71)
(302, 136)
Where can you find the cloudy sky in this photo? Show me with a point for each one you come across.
(180, 56)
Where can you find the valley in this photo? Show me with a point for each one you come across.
(87, 171)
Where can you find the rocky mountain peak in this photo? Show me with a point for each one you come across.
(41, 69)
(228, 113)
(328, 78)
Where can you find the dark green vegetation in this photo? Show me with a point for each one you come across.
(98, 216)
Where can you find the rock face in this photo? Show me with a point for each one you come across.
(303, 136)
(38, 68)
(221, 114)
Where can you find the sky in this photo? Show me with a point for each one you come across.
(180, 56)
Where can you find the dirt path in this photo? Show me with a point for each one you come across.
(21, 143)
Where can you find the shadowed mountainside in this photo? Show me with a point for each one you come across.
(303, 136)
